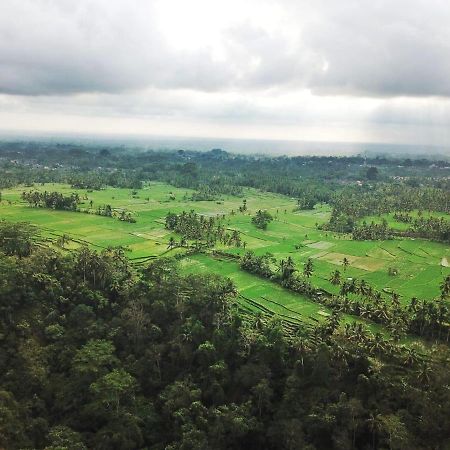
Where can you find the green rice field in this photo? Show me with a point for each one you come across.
(421, 264)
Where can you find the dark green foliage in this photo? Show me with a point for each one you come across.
(432, 227)
(373, 231)
(53, 200)
(261, 219)
(205, 231)
(17, 239)
(372, 173)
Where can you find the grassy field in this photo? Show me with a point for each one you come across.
(270, 296)
(421, 264)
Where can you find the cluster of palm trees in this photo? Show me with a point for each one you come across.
(352, 204)
(386, 198)
(282, 271)
(105, 270)
(215, 188)
(107, 211)
(52, 200)
(436, 228)
(204, 231)
(422, 317)
(430, 319)
(259, 265)
(372, 232)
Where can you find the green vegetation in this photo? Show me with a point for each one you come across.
(261, 219)
(237, 302)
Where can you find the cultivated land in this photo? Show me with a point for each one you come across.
(421, 264)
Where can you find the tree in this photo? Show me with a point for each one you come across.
(172, 243)
(61, 437)
(114, 387)
(287, 268)
(18, 239)
(136, 319)
(263, 394)
(375, 425)
(445, 287)
(335, 278)
(63, 240)
(308, 268)
(345, 263)
(262, 219)
(95, 357)
(396, 430)
(372, 173)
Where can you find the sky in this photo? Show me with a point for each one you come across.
(318, 70)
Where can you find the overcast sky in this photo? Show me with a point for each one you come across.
(349, 70)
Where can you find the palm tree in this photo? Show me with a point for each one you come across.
(301, 347)
(308, 268)
(363, 288)
(172, 243)
(281, 266)
(335, 278)
(365, 310)
(445, 287)
(258, 322)
(395, 299)
(289, 268)
(424, 374)
(375, 425)
(411, 357)
(345, 288)
(345, 263)
(378, 344)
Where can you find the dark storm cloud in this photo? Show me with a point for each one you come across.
(358, 48)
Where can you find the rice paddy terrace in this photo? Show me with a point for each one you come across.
(420, 264)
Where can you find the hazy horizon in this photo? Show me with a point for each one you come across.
(238, 146)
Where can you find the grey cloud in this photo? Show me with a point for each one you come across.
(50, 47)
(382, 48)
(356, 47)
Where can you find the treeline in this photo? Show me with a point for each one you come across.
(52, 200)
(387, 198)
(98, 354)
(214, 191)
(433, 228)
(57, 200)
(436, 228)
(372, 231)
(99, 179)
(211, 174)
(350, 205)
